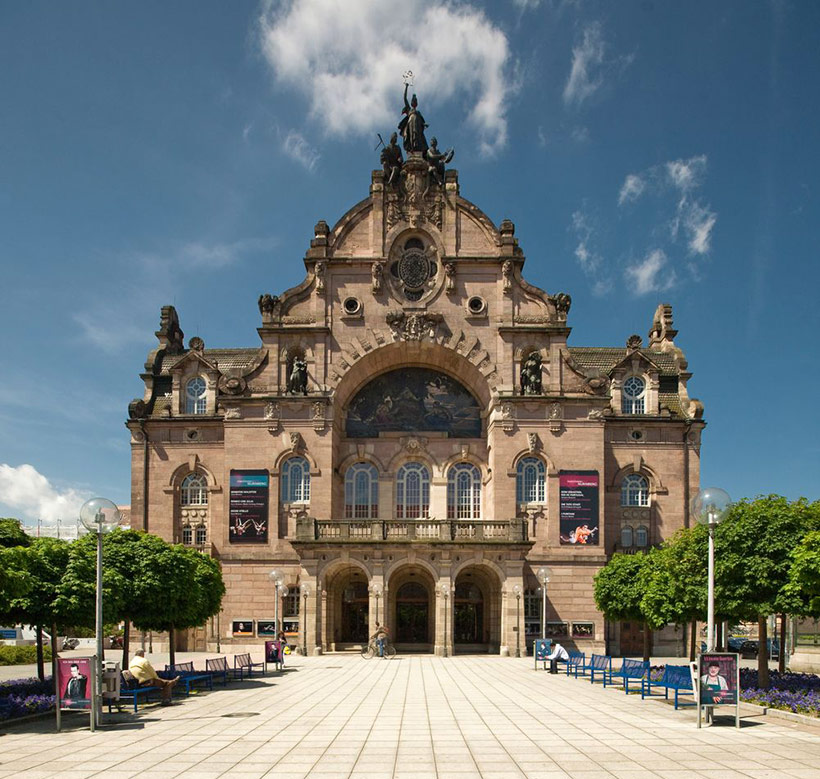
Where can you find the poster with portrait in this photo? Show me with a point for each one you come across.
(717, 676)
(541, 649)
(242, 628)
(578, 504)
(273, 652)
(248, 507)
(74, 677)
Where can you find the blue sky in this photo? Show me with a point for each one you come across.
(181, 153)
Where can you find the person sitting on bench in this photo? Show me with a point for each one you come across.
(558, 655)
(145, 674)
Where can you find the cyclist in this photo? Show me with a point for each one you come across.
(381, 637)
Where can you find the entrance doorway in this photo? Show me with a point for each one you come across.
(412, 614)
(354, 613)
(468, 614)
(632, 638)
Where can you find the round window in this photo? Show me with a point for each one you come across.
(634, 387)
(637, 435)
(352, 306)
(476, 305)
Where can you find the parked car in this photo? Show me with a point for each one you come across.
(736, 644)
(750, 648)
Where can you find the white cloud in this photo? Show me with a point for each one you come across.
(650, 274)
(585, 76)
(686, 174)
(632, 189)
(699, 220)
(347, 58)
(527, 5)
(588, 257)
(297, 148)
(26, 491)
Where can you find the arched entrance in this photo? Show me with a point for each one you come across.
(347, 608)
(412, 610)
(476, 611)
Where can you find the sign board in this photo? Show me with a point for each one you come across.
(273, 653)
(248, 506)
(718, 683)
(540, 651)
(242, 628)
(76, 688)
(266, 627)
(578, 504)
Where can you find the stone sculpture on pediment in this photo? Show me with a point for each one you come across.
(392, 160)
(562, 303)
(413, 327)
(412, 125)
(268, 305)
(376, 272)
(297, 381)
(450, 274)
(319, 272)
(531, 375)
(436, 160)
(506, 275)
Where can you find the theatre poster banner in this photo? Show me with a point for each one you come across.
(579, 507)
(249, 507)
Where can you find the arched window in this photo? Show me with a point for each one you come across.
(626, 536)
(361, 491)
(530, 480)
(187, 535)
(633, 396)
(201, 535)
(635, 490)
(195, 402)
(412, 491)
(642, 536)
(194, 490)
(464, 492)
(296, 481)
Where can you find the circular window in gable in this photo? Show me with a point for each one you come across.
(476, 305)
(352, 306)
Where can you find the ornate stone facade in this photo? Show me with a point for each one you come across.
(447, 474)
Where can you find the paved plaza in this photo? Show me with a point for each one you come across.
(414, 716)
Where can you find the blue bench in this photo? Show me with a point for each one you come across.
(244, 663)
(218, 668)
(598, 665)
(675, 677)
(130, 688)
(188, 676)
(637, 670)
(576, 659)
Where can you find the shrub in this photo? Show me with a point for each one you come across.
(22, 655)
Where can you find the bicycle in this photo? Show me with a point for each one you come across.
(372, 650)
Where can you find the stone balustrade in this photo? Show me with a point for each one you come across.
(409, 530)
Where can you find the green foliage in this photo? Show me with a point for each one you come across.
(44, 562)
(804, 576)
(620, 586)
(675, 584)
(14, 578)
(753, 547)
(12, 533)
(21, 655)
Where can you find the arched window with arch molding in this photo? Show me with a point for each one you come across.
(413, 491)
(642, 536)
(195, 396)
(361, 491)
(296, 480)
(627, 536)
(463, 492)
(635, 490)
(633, 395)
(530, 480)
(194, 490)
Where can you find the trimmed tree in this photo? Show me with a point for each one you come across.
(753, 561)
(620, 587)
(12, 533)
(804, 576)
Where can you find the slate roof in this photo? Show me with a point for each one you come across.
(227, 359)
(604, 359)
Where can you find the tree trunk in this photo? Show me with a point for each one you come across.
(41, 670)
(647, 641)
(126, 638)
(781, 657)
(171, 647)
(54, 674)
(762, 654)
(693, 638)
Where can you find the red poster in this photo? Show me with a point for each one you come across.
(74, 677)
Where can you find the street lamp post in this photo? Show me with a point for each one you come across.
(100, 516)
(543, 577)
(376, 590)
(517, 592)
(445, 593)
(276, 577)
(305, 589)
(710, 507)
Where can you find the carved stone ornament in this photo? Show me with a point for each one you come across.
(562, 303)
(376, 276)
(319, 272)
(268, 305)
(413, 327)
(532, 442)
(196, 344)
(595, 413)
(634, 342)
(506, 273)
(318, 416)
(137, 409)
(233, 412)
(232, 385)
(295, 441)
(413, 444)
(450, 273)
(507, 417)
(272, 410)
(597, 384)
(556, 411)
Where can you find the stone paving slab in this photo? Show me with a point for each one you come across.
(415, 717)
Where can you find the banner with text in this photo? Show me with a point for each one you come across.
(578, 506)
(249, 506)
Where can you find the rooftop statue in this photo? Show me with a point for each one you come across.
(412, 125)
(436, 160)
(392, 160)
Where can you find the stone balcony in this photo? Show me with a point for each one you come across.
(455, 531)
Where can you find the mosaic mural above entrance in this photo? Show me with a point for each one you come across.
(414, 400)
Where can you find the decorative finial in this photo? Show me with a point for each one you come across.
(408, 78)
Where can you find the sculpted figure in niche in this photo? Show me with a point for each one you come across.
(531, 375)
(392, 160)
(412, 125)
(436, 161)
(297, 381)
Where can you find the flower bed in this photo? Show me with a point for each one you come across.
(798, 693)
(21, 697)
